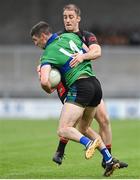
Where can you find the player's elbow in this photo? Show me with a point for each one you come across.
(95, 51)
(45, 86)
(98, 52)
(46, 89)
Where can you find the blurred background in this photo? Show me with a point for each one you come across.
(117, 27)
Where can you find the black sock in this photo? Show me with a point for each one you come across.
(61, 147)
(109, 149)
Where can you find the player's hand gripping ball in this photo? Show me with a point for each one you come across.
(55, 77)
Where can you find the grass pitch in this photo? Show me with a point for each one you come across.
(27, 148)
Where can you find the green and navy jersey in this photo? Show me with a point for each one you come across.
(86, 37)
(58, 53)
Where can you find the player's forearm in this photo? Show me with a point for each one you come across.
(93, 53)
(44, 78)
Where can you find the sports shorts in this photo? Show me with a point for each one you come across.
(85, 92)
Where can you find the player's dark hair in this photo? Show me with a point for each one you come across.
(72, 7)
(41, 27)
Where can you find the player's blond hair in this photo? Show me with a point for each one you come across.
(72, 7)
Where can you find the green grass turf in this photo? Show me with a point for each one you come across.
(27, 147)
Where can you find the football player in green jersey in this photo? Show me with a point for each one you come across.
(71, 19)
(84, 89)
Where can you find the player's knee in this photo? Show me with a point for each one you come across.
(61, 131)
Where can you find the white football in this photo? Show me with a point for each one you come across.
(54, 77)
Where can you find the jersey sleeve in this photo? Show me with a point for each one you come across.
(90, 38)
(44, 61)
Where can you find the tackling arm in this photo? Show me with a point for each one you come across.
(93, 52)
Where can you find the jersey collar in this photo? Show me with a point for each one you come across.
(51, 39)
